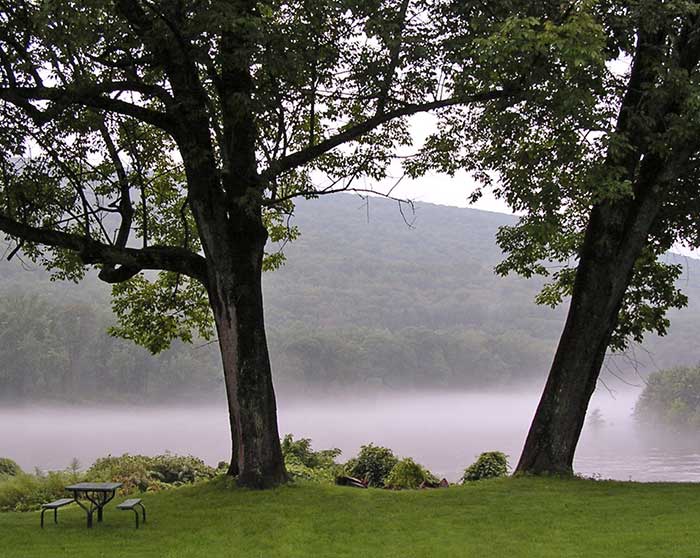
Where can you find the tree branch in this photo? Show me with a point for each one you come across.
(125, 208)
(130, 260)
(308, 154)
(90, 96)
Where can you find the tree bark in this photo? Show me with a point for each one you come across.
(227, 206)
(614, 240)
(601, 281)
(235, 294)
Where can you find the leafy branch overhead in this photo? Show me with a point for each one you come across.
(122, 121)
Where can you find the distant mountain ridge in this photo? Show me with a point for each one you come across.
(364, 300)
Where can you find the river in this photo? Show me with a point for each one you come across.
(443, 431)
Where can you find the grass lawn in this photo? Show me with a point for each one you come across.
(507, 518)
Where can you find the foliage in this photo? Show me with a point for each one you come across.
(302, 462)
(106, 153)
(671, 398)
(301, 450)
(408, 474)
(154, 312)
(373, 464)
(488, 465)
(560, 152)
(78, 361)
(145, 473)
(26, 492)
(8, 467)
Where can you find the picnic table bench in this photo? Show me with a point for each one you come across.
(131, 504)
(54, 506)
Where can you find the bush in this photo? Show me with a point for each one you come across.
(408, 474)
(144, 473)
(25, 492)
(489, 465)
(301, 449)
(9, 468)
(302, 462)
(372, 464)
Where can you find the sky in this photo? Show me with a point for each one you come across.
(434, 187)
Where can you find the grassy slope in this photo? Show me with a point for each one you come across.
(507, 518)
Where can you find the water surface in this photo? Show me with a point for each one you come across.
(444, 431)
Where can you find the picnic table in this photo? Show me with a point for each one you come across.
(95, 496)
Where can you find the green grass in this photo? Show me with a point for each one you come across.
(507, 518)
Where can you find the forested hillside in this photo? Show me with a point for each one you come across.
(363, 301)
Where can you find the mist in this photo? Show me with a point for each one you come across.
(445, 431)
(415, 346)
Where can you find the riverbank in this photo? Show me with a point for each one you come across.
(507, 518)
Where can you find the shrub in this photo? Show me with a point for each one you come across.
(301, 449)
(145, 473)
(302, 462)
(488, 465)
(9, 467)
(180, 469)
(25, 492)
(408, 474)
(372, 464)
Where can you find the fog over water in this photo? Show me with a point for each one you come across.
(444, 431)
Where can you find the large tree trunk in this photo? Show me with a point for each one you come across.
(235, 293)
(227, 206)
(614, 239)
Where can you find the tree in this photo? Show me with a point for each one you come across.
(671, 400)
(607, 179)
(620, 288)
(171, 137)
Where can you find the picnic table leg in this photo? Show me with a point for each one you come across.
(89, 519)
(99, 514)
(55, 515)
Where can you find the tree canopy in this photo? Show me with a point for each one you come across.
(608, 184)
(193, 124)
(172, 137)
(92, 142)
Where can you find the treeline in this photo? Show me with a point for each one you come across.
(59, 350)
(409, 358)
(359, 304)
